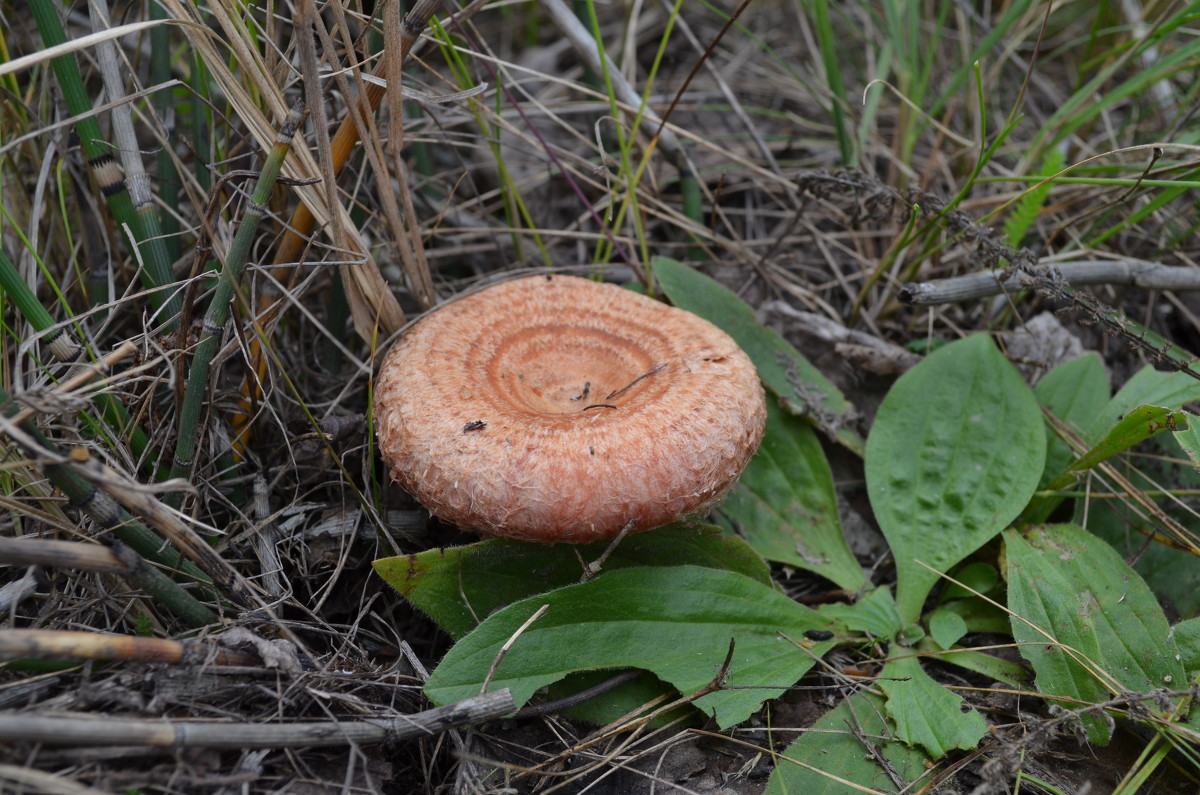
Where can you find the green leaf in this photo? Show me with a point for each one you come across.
(1001, 670)
(846, 745)
(975, 578)
(1086, 621)
(1186, 635)
(784, 504)
(1074, 392)
(979, 614)
(875, 613)
(1030, 204)
(956, 451)
(1172, 574)
(1137, 426)
(676, 622)
(1189, 439)
(1148, 386)
(622, 700)
(910, 634)
(784, 370)
(925, 713)
(460, 586)
(946, 627)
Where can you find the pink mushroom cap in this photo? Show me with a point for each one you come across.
(554, 408)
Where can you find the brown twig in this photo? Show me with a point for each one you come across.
(45, 644)
(88, 730)
(1127, 273)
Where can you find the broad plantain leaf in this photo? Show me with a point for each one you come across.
(1074, 392)
(925, 713)
(784, 504)
(1172, 574)
(676, 622)
(1086, 621)
(845, 744)
(956, 451)
(785, 371)
(461, 586)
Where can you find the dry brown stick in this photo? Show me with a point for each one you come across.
(60, 554)
(89, 730)
(47, 644)
(358, 280)
(26, 779)
(1128, 273)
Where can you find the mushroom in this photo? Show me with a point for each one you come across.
(554, 408)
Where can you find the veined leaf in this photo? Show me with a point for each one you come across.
(925, 713)
(875, 612)
(675, 622)
(1075, 392)
(956, 452)
(1189, 440)
(461, 586)
(1186, 635)
(846, 744)
(784, 504)
(1148, 386)
(1087, 622)
(1137, 426)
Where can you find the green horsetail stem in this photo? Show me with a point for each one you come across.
(59, 342)
(164, 105)
(155, 270)
(105, 511)
(218, 310)
(65, 349)
(137, 181)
